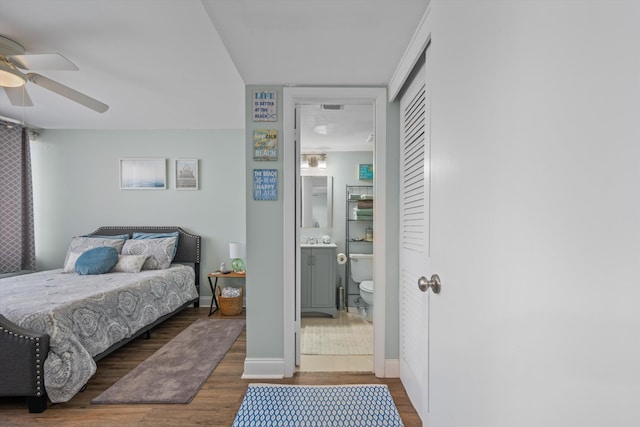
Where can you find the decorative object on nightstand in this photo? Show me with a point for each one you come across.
(223, 268)
(236, 252)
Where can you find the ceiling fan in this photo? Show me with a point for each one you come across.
(13, 59)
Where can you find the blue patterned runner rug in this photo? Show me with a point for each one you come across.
(267, 405)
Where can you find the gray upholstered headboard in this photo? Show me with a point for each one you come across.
(188, 244)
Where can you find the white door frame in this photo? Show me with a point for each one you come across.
(293, 96)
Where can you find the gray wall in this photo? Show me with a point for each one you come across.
(392, 349)
(76, 188)
(265, 246)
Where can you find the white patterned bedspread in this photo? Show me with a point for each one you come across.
(85, 315)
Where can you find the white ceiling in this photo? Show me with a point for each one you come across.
(316, 42)
(347, 129)
(183, 64)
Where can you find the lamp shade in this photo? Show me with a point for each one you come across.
(236, 250)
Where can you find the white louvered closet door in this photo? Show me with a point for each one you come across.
(414, 238)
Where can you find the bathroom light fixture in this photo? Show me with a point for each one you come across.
(313, 161)
(236, 252)
(321, 130)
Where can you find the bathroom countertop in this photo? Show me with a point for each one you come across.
(318, 245)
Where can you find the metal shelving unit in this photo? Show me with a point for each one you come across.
(356, 236)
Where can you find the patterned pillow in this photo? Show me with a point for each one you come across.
(175, 234)
(159, 251)
(79, 245)
(129, 263)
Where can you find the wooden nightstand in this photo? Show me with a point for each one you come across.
(214, 284)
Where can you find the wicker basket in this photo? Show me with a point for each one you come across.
(229, 306)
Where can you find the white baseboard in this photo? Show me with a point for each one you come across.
(265, 369)
(392, 368)
(205, 300)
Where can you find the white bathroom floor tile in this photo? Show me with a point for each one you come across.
(319, 362)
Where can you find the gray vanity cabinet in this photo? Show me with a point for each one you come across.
(318, 280)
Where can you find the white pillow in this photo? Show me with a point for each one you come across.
(129, 263)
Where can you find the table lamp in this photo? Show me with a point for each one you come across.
(236, 252)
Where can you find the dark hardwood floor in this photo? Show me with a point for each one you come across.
(215, 404)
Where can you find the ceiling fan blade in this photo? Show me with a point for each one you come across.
(18, 96)
(67, 92)
(43, 61)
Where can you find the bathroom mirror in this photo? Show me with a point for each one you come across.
(317, 201)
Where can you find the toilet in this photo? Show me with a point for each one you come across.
(361, 267)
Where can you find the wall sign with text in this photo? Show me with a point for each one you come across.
(265, 184)
(265, 105)
(265, 144)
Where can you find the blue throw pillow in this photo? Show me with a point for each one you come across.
(175, 234)
(97, 260)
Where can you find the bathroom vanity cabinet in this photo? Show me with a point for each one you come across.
(318, 279)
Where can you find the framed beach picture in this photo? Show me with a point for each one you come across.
(143, 174)
(186, 174)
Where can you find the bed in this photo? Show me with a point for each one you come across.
(55, 324)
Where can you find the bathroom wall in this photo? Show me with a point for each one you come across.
(343, 166)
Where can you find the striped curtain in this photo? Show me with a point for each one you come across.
(17, 247)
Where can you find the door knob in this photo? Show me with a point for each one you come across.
(434, 283)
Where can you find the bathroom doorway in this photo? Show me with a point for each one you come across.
(292, 98)
(336, 150)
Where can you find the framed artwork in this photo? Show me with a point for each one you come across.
(365, 172)
(265, 184)
(143, 174)
(186, 174)
(265, 105)
(265, 144)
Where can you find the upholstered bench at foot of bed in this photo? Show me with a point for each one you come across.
(22, 355)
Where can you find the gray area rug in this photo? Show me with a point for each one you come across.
(175, 373)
